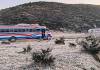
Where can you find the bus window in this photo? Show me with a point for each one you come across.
(47, 29)
(26, 30)
(30, 30)
(15, 30)
(37, 30)
(33, 30)
(10, 30)
(1, 30)
(6, 30)
(21, 30)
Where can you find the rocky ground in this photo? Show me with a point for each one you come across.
(67, 58)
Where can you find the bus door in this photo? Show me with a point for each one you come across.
(43, 33)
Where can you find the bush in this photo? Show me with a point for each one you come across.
(72, 45)
(60, 41)
(26, 50)
(43, 57)
(91, 45)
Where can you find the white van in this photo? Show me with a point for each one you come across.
(94, 32)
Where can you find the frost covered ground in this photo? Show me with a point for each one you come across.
(67, 58)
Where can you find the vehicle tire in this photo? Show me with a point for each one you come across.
(12, 39)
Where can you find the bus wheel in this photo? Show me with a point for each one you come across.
(12, 39)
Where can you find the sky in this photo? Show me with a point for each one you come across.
(10, 3)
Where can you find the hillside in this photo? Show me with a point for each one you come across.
(56, 16)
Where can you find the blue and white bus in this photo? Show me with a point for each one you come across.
(23, 31)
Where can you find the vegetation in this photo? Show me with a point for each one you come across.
(60, 41)
(44, 57)
(56, 16)
(26, 50)
(92, 46)
(72, 45)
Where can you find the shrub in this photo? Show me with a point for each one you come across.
(43, 57)
(72, 45)
(91, 45)
(28, 49)
(60, 41)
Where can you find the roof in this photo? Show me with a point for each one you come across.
(21, 26)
